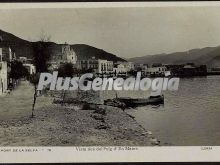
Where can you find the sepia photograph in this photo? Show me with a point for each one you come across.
(135, 76)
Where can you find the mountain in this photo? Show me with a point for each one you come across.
(209, 56)
(20, 46)
(86, 51)
(24, 48)
(212, 58)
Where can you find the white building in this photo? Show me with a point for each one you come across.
(91, 64)
(188, 66)
(128, 65)
(120, 69)
(7, 54)
(156, 71)
(61, 56)
(3, 75)
(68, 54)
(22, 59)
(0, 54)
(31, 68)
(104, 67)
(97, 66)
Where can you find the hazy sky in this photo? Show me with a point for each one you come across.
(126, 32)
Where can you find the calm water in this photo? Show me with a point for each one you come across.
(190, 116)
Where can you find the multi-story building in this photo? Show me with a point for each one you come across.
(120, 69)
(25, 60)
(7, 54)
(31, 68)
(128, 65)
(3, 74)
(63, 55)
(156, 71)
(140, 67)
(68, 55)
(104, 67)
(91, 64)
(98, 66)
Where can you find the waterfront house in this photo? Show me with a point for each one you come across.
(105, 67)
(155, 71)
(97, 66)
(120, 70)
(190, 70)
(128, 65)
(187, 70)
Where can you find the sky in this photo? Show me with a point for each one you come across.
(125, 32)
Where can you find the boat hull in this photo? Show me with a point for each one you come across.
(131, 102)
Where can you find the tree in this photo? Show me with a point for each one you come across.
(44, 37)
(66, 70)
(17, 71)
(34, 79)
(41, 52)
(41, 56)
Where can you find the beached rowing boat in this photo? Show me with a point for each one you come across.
(134, 102)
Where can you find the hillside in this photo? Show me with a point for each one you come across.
(86, 51)
(20, 46)
(24, 48)
(198, 56)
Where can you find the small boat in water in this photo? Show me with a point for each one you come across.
(134, 102)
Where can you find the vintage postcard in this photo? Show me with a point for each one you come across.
(109, 82)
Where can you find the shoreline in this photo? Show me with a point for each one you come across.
(69, 125)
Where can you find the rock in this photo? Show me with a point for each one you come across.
(102, 126)
(57, 101)
(144, 133)
(97, 117)
(100, 111)
(131, 116)
(154, 141)
(89, 106)
(64, 142)
(149, 132)
(86, 106)
(115, 103)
